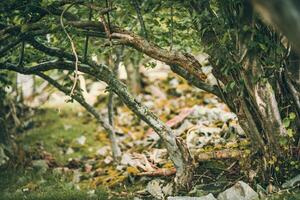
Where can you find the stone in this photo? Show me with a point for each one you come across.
(240, 191)
(81, 140)
(292, 182)
(154, 188)
(40, 165)
(207, 197)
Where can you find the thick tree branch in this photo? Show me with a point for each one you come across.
(192, 79)
(185, 60)
(176, 148)
(196, 82)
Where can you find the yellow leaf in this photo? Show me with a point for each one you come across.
(132, 170)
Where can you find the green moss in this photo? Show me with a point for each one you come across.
(55, 130)
(58, 130)
(24, 184)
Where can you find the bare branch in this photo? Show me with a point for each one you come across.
(176, 148)
(140, 17)
(196, 82)
(73, 48)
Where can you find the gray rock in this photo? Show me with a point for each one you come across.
(207, 197)
(292, 182)
(240, 191)
(154, 188)
(40, 166)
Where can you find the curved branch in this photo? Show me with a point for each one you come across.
(176, 148)
(185, 60)
(196, 82)
(175, 68)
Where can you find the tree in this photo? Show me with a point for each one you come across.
(250, 61)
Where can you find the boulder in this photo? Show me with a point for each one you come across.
(240, 191)
(292, 182)
(41, 166)
(207, 197)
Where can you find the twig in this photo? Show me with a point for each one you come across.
(140, 17)
(172, 29)
(227, 169)
(159, 172)
(110, 105)
(21, 58)
(73, 48)
(221, 154)
(87, 37)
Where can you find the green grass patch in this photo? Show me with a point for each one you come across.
(56, 130)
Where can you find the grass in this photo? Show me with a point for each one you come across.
(24, 184)
(55, 130)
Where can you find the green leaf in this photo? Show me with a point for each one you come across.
(290, 132)
(263, 47)
(286, 122)
(232, 84)
(292, 116)
(282, 141)
(24, 28)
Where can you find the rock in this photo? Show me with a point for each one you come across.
(67, 127)
(168, 189)
(76, 176)
(174, 83)
(207, 197)
(199, 136)
(154, 188)
(69, 151)
(81, 140)
(108, 160)
(103, 151)
(88, 167)
(240, 191)
(292, 182)
(40, 165)
(212, 114)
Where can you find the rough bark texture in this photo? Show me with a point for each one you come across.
(255, 102)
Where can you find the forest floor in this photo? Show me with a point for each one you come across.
(66, 155)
